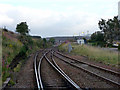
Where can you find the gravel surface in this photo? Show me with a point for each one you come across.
(95, 70)
(83, 79)
(40, 52)
(49, 57)
(50, 78)
(25, 77)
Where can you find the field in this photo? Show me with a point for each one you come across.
(93, 53)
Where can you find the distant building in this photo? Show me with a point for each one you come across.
(81, 41)
(119, 10)
(68, 38)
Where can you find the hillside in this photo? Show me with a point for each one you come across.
(14, 52)
(10, 48)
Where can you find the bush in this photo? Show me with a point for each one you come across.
(119, 47)
(101, 44)
(110, 45)
(23, 50)
(5, 29)
(11, 82)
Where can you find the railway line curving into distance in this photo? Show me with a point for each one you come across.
(49, 75)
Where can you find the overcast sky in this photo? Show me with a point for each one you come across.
(57, 17)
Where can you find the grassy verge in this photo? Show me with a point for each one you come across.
(15, 48)
(93, 53)
(9, 50)
(17, 68)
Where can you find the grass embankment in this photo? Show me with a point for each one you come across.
(11, 47)
(93, 53)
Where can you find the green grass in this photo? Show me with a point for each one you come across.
(17, 68)
(63, 47)
(0, 82)
(12, 46)
(9, 50)
(93, 53)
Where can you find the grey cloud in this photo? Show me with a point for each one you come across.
(51, 23)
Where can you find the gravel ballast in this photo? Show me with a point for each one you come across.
(83, 79)
(25, 78)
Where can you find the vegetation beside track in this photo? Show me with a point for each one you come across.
(10, 49)
(14, 46)
(93, 53)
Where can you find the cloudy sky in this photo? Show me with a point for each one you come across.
(57, 17)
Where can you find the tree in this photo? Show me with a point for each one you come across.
(97, 36)
(22, 28)
(111, 29)
(52, 40)
(40, 43)
(44, 43)
(116, 28)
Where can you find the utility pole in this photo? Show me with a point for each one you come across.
(87, 33)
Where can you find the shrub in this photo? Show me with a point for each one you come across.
(23, 50)
(5, 29)
(119, 47)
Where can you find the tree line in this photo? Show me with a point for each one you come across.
(110, 31)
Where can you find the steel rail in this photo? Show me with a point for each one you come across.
(36, 73)
(92, 65)
(101, 77)
(39, 74)
(67, 77)
(77, 87)
(39, 70)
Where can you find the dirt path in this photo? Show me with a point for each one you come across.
(25, 77)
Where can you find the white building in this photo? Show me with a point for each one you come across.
(119, 10)
(81, 41)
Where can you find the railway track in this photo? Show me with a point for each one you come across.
(50, 76)
(109, 76)
(92, 65)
